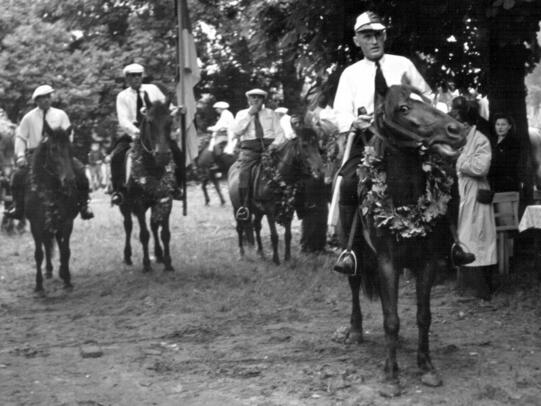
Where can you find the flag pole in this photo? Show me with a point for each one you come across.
(181, 99)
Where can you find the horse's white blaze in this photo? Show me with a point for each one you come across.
(415, 96)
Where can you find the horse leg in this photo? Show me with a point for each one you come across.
(144, 236)
(274, 239)
(166, 237)
(48, 260)
(388, 274)
(424, 282)
(38, 256)
(218, 189)
(240, 230)
(356, 319)
(257, 229)
(128, 226)
(158, 252)
(63, 239)
(205, 192)
(287, 240)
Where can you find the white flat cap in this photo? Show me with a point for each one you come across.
(368, 21)
(221, 105)
(281, 110)
(133, 68)
(256, 92)
(42, 90)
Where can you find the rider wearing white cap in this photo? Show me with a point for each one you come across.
(28, 136)
(362, 86)
(257, 127)
(221, 131)
(130, 104)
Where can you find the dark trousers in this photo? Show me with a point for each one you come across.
(249, 156)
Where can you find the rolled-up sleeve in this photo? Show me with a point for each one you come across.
(477, 163)
(242, 121)
(344, 105)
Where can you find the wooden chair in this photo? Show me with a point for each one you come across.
(505, 206)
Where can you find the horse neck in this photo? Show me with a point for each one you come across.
(286, 161)
(405, 176)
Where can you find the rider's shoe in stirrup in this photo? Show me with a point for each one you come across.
(14, 213)
(117, 198)
(86, 213)
(346, 263)
(177, 194)
(243, 213)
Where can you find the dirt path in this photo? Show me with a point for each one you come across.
(224, 331)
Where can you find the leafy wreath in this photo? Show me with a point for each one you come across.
(285, 192)
(406, 221)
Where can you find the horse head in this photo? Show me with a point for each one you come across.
(156, 131)
(407, 120)
(53, 157)
(300, 156)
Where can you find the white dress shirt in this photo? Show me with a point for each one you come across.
(126, 106)
(285, 122)
(270, 122)
(225, 121)
(30, 131)
(356, 87)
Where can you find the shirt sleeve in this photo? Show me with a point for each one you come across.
(344, 104)
(279, 135)
(477, 163)
(417, 81)
(21, 137)
(122, 112)
(242, 121)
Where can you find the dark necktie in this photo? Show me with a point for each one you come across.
(139, 106)
(258, 128)
(44, 122)
(380, 86)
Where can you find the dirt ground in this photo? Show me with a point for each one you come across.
(225, 331)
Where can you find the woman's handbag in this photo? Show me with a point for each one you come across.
(485, 196)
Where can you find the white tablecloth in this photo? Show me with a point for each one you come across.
(531, 218)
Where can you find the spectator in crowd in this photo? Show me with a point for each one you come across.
(96, 158)
(503, 173)
(476, 225)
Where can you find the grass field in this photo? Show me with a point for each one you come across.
(221, 330)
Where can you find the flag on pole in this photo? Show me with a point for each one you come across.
(188, 76)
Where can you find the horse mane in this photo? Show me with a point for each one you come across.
(39, 157)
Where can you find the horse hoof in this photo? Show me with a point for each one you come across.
(159, 260)
(128, 261)
(432, 379)
(276, 261)
(390, 390)
(39, 293)
(169, 268)
(147, 269)
(354, 337)
(68, 286)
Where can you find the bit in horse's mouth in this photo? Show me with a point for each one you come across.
(445, 149)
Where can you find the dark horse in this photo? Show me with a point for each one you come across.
(151, 185)
(408, 130)
(276, 181)
(51, 201)
(209, 164)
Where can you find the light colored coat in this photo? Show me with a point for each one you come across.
(476, 224)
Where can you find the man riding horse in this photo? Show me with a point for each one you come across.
(27, 138)
(361, 89)
(257, 127)
(130, 105)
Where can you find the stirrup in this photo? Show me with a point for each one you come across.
(243, 214)
(346, 255)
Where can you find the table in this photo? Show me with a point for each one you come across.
(531, 219)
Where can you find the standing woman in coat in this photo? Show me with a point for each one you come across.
(476, 226)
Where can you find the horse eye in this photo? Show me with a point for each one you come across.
(404, 108)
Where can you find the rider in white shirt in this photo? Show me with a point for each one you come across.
(28, 136)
